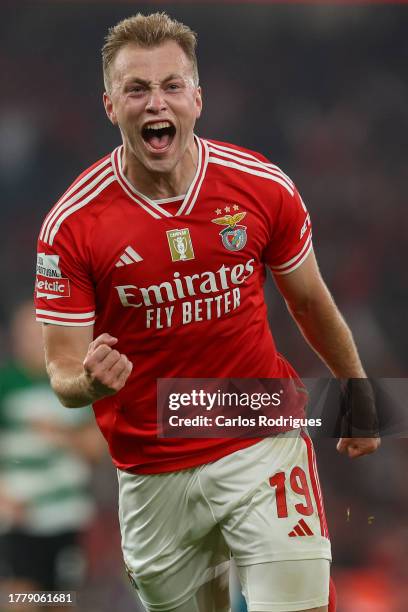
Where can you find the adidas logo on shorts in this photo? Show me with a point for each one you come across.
(301, 529)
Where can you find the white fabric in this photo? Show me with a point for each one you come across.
(179, 528)
(286, 586)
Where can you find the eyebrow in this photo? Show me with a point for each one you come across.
(141, 81)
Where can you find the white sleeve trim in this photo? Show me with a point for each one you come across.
(66, 323)
(295, 258)
(66, 315)
(296, 265)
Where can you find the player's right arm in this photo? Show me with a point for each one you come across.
(83, 370)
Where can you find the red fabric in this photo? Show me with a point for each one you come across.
(106, 255)
(314, 478)
(332, 596)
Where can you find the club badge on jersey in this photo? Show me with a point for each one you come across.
(233, 236)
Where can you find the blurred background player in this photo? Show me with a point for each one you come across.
(46, 458)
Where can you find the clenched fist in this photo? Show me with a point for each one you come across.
(356, 447)
(106, 369)
(359, 417)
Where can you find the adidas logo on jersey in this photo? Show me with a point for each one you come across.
(128, 257)
(301, 529)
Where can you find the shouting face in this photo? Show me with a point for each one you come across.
(155, 102)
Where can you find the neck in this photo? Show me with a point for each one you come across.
(157, 185)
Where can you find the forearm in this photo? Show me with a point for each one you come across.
(81, 372)
(327, 333)
(70, 383)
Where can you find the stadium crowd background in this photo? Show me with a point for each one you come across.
(322, 91)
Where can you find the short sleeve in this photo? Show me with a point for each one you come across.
(64, 292)
(291, 239)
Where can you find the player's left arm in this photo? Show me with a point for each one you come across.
(322, 325)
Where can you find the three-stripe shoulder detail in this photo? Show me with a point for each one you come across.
(78, 196)
(246, 162)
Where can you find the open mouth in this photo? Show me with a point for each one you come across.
(159, 135)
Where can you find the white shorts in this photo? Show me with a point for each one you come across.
(262, 504)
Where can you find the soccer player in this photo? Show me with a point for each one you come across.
(152, 265)
(46, 455)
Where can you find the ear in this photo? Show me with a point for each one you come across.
(199, 102)
(108, 104)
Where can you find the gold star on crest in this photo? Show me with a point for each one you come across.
(218, 211)
(227, 208)
(235, 207)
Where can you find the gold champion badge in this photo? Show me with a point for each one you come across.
(181, 247)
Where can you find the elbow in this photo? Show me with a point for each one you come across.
(301, 308)
(312, 303)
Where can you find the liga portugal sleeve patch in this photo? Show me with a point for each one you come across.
(49, 282)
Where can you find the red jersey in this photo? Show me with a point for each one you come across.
(178, 281)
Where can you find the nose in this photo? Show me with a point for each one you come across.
(156, 101)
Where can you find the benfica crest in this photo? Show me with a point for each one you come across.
(233, 236)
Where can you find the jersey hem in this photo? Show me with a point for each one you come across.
(184, 464)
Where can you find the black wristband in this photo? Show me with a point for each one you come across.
(359, 414)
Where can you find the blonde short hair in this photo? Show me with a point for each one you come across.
(148, 31)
